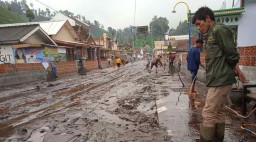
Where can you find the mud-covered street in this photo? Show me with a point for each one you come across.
(108, 105)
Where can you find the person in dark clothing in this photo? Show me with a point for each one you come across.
(155, 62)
(54, 69)
(193, 62)
(171, 59)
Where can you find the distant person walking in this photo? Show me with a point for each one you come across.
(54, 69)
(109, 61)
(193, 62)
(118, 62)
(171, 58)
(113, 61)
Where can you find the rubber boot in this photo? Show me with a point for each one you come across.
(219, 132)
(207, 134)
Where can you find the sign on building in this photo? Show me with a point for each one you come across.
(6, 55)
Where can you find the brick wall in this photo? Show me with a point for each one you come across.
(62, 67)
(202, 57)
(12, 74)
(105, 64)
(247, 55)
(91, 65)
(66, 67)
(9, 68)
(247, 62)
(184, 57)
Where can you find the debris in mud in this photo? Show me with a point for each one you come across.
(144, 128)
(158, 82)
(50, 85)
(23, 131)
(128, 106)
(145, 89)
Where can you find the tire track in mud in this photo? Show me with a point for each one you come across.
(34, 92)
(72, 93)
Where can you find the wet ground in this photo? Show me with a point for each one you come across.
(109, 105)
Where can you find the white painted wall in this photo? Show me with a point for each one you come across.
(6, 54)
(65, 34)
(62, 50)
(36, 39)
(246, 29)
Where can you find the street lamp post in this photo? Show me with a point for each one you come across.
(188, 20)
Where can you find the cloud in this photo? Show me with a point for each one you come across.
(120, 13)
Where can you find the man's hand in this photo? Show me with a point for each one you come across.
(242, 77)
(240, 74)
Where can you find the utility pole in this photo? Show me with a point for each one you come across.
(134, 36)
(152, 39)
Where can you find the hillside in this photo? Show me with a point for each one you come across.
(7, 17)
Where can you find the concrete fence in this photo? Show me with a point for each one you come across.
(12, 74)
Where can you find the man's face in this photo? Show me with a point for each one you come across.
(199, 45)
(202, 25)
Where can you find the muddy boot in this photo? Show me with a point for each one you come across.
(206, 134)
(219, 132)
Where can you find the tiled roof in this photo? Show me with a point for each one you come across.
(182, 45)
(13, 34)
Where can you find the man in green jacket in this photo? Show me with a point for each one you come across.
(221, 61)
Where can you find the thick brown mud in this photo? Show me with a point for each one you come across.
(110, 105)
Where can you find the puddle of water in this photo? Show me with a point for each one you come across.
(175, 113)
(38, 135)
(161, 109)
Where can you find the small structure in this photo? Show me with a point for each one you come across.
(160, 47)
(25, 43)
(22, 48)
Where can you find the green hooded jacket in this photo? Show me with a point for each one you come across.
(221, 56)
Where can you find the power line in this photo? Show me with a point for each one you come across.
(47, 5)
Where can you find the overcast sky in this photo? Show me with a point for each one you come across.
(120, 13)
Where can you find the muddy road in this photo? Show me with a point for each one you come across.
(109, 105)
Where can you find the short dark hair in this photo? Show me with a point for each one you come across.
(199, 41)
(201, 14)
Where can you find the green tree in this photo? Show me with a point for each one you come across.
(67, 13)
(182, 29)
(169, 48)
(159, 26)
(96, 29)
(30, 14)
